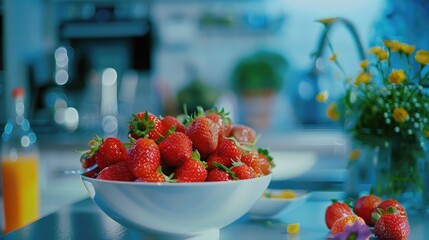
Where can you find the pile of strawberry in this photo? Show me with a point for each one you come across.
(206, 146)
(388, 217)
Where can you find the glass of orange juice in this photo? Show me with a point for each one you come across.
(20, 190)
(19, 168)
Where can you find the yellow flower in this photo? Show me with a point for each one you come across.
(382, 55)
(354, 155)
(293, 228)
(327, 20)
(393, 45)
(332, 112)
(379, 52)
(407, 49)
(364, 64)
(333, 58)
(363, 77)
(400, 114)
(397, 76)
(401, 47)
(422, 56)
(375, 50)
(322, 96)
(426, 133)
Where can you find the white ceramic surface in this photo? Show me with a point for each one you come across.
(291, 164)
(176, 210)
(273, 208)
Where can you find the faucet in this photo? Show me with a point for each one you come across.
(349, 26)
(309, 111)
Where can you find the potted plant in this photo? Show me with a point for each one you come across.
(257, 78)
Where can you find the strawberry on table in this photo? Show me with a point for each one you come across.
(340, 225)
(192, 170)
(336, 211)
(144, 157)
(175, 149)
(385, 204)
(364, 207)
(204, 133)
(356, 231)
(145, 124)
(107, 151)
(117, 172)
(391, 226)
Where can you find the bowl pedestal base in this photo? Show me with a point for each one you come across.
(213, 234)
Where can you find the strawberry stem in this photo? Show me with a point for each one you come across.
(197, 157)
(227, 170)
(141, 127)
(266, 152)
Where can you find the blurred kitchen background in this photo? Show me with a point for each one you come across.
(87, 65)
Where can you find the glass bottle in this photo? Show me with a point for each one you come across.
(19, 168)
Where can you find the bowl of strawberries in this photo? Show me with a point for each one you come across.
(177, 177)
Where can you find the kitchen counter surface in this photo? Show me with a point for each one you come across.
(83, 220)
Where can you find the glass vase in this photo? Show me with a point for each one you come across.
(390, 168)
(402, 173)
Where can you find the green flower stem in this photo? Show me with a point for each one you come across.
(398, 170)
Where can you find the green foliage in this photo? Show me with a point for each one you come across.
(261, 71)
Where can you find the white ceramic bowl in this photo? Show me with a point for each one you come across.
(176, 210)
(274, 208)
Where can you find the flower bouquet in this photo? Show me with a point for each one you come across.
(386, 107)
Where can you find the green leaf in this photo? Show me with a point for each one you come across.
(227, 170)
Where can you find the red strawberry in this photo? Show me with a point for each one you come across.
(116, 172)
(145, 124)
(175, 149)
(192, 170)
(108, 151)
(222, 119)
(265, 160)
(87, 161)
(391, 226)
(385, 204)
(336, 211)
(214, 157)
(242, 171)
(156, 176)
(218, 175)
(229, 148)
(252, 160)
(204, 134)
(168, 122)
(364, 206)
(243, 134)
(144, 157)
(339, 226)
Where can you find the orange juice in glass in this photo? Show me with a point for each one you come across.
(20, 190)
